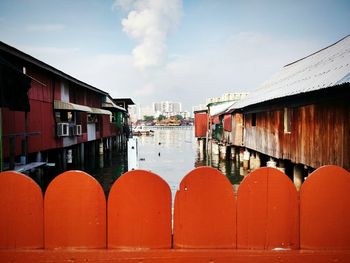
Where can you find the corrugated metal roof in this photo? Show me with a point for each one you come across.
(61, 105)
(15, 52)
(100, 111)
(111, 106)
(323, 69)
(219, 108)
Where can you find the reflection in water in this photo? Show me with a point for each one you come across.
(107, 168)
(172, 153)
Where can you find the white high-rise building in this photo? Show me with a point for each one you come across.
(145, 111)
(234, 96)
(166, 108)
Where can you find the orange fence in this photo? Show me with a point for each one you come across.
(268, 220)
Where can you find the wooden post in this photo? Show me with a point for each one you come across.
(12, 152)
(26, 137)
(100, 151)
(246, 156)
(281, 166)
(82, 154)
(298, 175)
(222, 151)
(1, 155)
(64, 159)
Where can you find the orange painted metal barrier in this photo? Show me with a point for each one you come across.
(21, 212)
(267, 211)
(75, 212)
(205, 211)
(325, 209)
(139, 211)
(209, 224)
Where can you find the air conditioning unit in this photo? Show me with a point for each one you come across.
(77, 129)
(62, 129)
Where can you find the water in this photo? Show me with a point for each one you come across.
(173, 152)
(170, 153)
(108, 167)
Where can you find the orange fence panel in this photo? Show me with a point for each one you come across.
(75, 212)
(21, 212)
(267, 211)
(139, 211)
(325, 209)
(205, 211)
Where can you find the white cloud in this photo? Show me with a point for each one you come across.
(45, 27)
(242, 63)
(149, 23)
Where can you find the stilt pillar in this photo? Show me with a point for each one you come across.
(298, 171)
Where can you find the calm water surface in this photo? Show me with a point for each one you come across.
(171, 153)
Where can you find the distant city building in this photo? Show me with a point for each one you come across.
(145, 111)
(235, 96)
(185, 114)
(166, 108)
(133, 112)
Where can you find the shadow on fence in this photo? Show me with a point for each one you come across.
(267, 214)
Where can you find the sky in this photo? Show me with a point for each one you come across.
(172, 50)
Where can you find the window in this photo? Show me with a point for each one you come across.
(253, 119)
(287, 120)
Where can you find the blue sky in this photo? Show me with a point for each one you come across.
(184, 51)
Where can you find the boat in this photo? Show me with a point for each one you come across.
(142, 130)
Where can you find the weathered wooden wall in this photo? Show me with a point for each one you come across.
(40, 118)
(45, 88)
(320, 134)
(237, 129)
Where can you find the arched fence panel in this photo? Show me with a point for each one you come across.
(267, 211)
(205, 211)
(21, 212)
(139, 211)
(325, 209)
(75, 212)
(206, 219)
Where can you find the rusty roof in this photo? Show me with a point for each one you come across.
(25, 57)
(321, 70)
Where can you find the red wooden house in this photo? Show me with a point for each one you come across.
(64, 112)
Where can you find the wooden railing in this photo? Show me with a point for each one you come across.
(267, 220)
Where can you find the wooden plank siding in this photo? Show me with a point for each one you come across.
(237, 129)
(319, 134)
(266, 136)
(45, 88)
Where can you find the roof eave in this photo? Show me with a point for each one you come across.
(17, 53)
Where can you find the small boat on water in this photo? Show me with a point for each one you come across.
(142, 130)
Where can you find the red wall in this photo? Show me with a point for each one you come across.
(106, 126)
(45, 88)
(40, 118)
(228, 122)
(200, 124)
